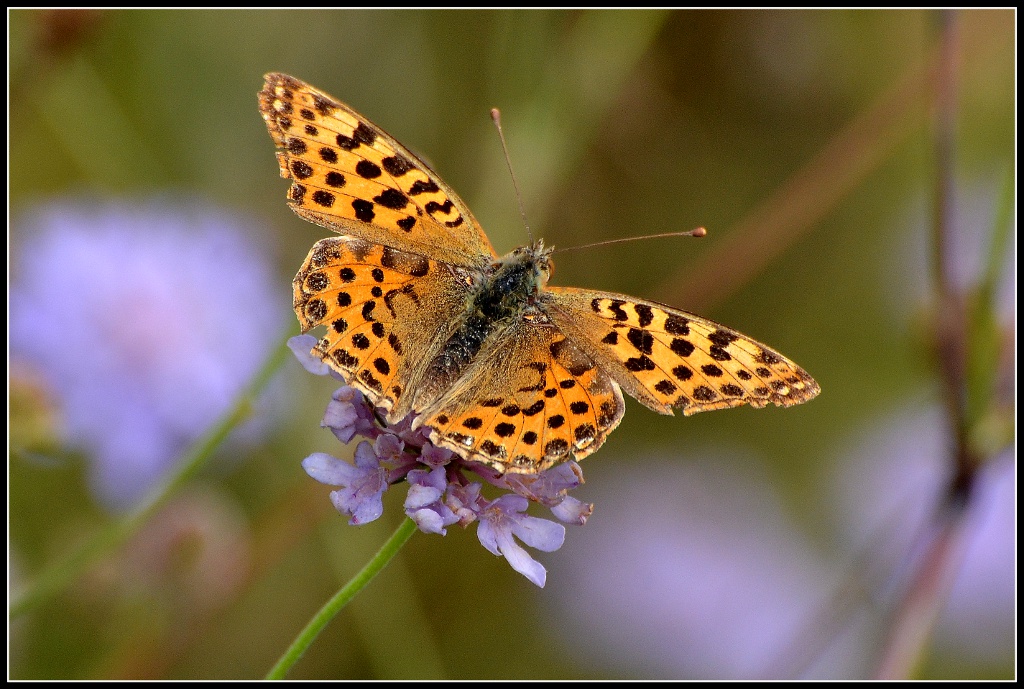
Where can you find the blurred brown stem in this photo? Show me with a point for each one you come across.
(768, 230)
(806, 197)
(912, 619)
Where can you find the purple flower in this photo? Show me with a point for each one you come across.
(424, 505)
(502, 519)
(551, 488)
(302, 348)
(465, 501)
(363, 485)
(389, 450)
(147, 320)
(441, 492)
(348, 416)
(434, 456)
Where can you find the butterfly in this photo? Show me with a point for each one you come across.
(422, 316)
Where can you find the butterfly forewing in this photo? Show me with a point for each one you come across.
(351, 176)
(670, 358)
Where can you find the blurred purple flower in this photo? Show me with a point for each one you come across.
(440, 491)
(148, 319)
(890, 483)
(693, 573)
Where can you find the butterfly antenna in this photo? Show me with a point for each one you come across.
(496, 116)
(697, 232)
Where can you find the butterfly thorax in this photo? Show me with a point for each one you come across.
(505, 291)
(510, 284)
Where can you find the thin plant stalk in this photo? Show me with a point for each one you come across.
(57, 578)
(912, 621)
(347, 592)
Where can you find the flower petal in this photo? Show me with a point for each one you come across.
(363, 508)
(521, 561)
(330, 470)
(541, 534)
(434, 456)
(388, 446)
(572, 511)
(420, 496)
(365, 458)
(302, 348)
(488, 535)
(428, 521)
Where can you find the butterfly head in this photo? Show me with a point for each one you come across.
(525, 270)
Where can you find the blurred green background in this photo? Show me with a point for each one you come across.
(801, 140)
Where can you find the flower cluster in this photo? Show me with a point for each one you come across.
(441, 491)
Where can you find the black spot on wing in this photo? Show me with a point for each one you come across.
(421, 187)
(677, 325)
(323, 198)
(645, 314)
(718, 353)
(364, 135)
(392, 198)
(640, 363)
(368, 169)
(396, 165)
(504, 429)
(641, 339)
(363, 209)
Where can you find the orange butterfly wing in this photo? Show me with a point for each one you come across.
(350, 176)
(669, 358)
(531, 399)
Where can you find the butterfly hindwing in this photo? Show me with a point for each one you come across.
(383, 309)
(534, 400)
(670, 358)
(352, 177)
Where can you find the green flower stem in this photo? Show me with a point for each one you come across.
(306, 637)
(58, 577)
